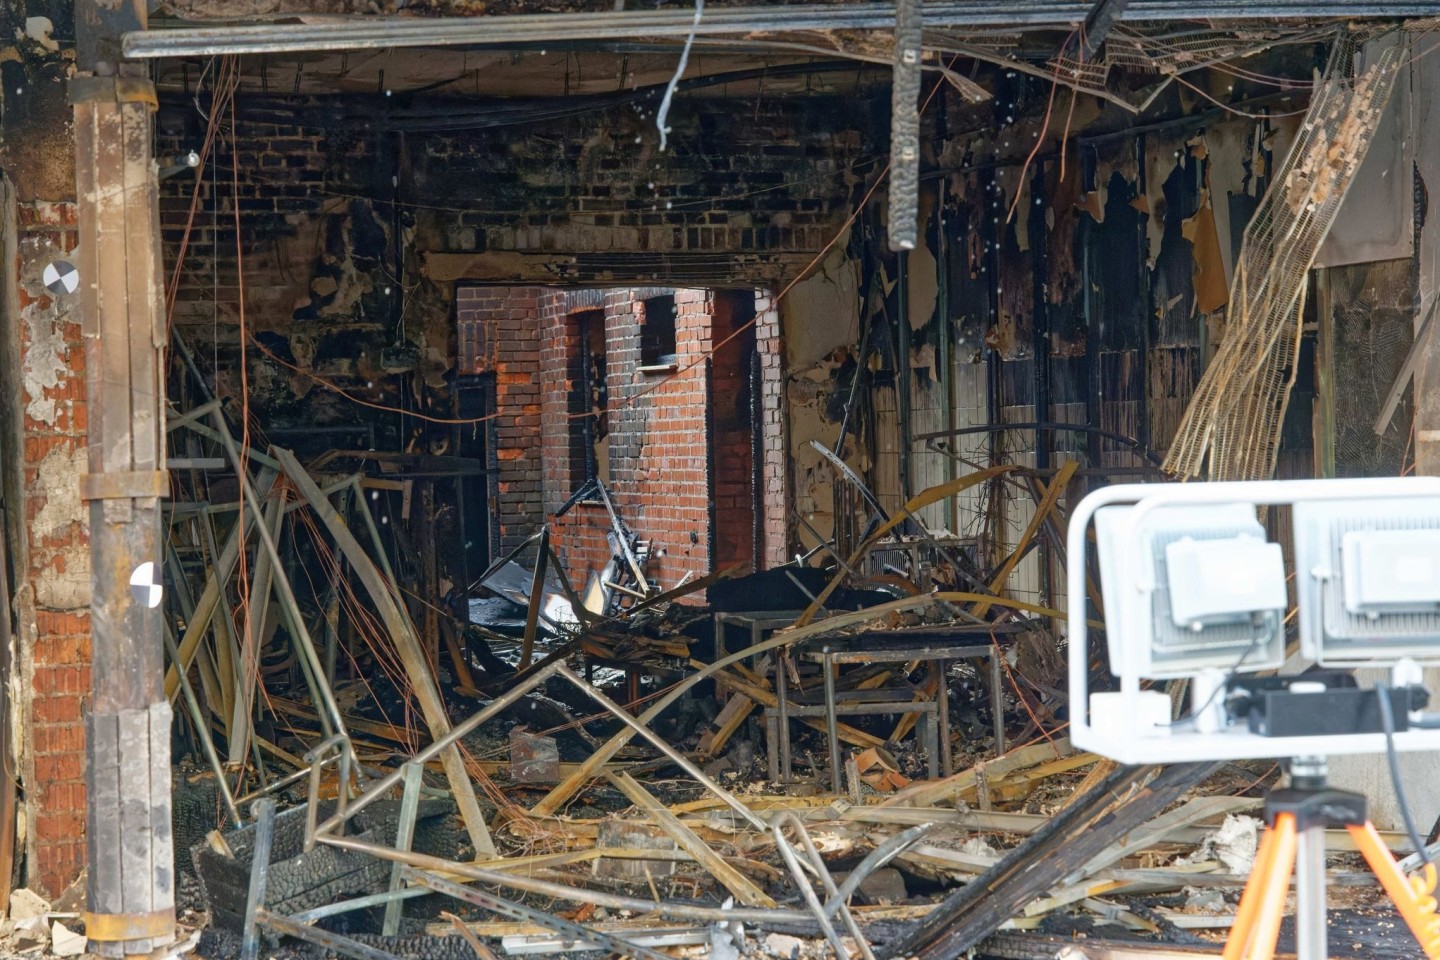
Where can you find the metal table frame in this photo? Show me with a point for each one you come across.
(936, 711)
(756, 622)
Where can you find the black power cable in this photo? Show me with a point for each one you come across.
(1387, 719)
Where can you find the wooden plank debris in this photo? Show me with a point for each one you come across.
(744, 890)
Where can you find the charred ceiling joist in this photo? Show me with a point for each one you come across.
(393, 32)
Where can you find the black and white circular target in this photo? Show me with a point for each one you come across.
(145, 585)
(61, 277)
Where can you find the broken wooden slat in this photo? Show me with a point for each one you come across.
(726, 875)
(1192, 811)
(1024, 824)
(1021, 783)
(1097, 774)
(730, 719)
(935, 792)
(482, 952)
(1038, 946)
(948, 861)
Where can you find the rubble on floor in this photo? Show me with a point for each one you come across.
(814, 764)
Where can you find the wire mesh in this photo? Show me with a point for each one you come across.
(1238, 409)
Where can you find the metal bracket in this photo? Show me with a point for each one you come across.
(120, 927)
(124, 485)
(113, 90)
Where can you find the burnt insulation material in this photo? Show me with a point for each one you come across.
(196, 809)
(300, 881)
(217, 943)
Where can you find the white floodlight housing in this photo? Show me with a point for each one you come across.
(1368, 579)
(1188, 588)
(1191, 589)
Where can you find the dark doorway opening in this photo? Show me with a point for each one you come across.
(477, 495)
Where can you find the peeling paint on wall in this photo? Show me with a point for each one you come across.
(45, 359)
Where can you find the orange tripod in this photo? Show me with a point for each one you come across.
(1298, 818)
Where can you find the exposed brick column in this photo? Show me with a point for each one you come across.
(775, 472)
(660, 439)
(562, 437)
(499, 334)
(53, 573)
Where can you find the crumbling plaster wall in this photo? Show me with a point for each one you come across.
(43, 422)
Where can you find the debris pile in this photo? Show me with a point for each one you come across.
(809, 765)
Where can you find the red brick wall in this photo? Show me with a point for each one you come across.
(53, 598)
(659, 435)
(500, 335)
(775, 471)
(661, 431)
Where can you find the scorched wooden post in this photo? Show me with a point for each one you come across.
(131, 903)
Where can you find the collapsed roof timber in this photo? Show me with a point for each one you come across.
(597, 479)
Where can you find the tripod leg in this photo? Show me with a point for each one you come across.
(1310, 932)
(1413, 897)
(1260, 907)
(1240, 932)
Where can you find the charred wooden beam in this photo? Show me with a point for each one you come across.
(131, 887)
(1130, 797)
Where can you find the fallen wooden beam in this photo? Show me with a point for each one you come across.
(1072, 839)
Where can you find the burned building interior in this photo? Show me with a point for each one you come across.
(491, 479)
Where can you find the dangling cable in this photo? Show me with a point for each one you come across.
(679, 72)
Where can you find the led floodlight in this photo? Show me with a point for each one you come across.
(1189, 588)
(1192, 590)
(1369, 580)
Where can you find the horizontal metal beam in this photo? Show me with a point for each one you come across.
(359, 33)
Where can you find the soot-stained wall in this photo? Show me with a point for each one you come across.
(358, 217)
(1085, 284)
